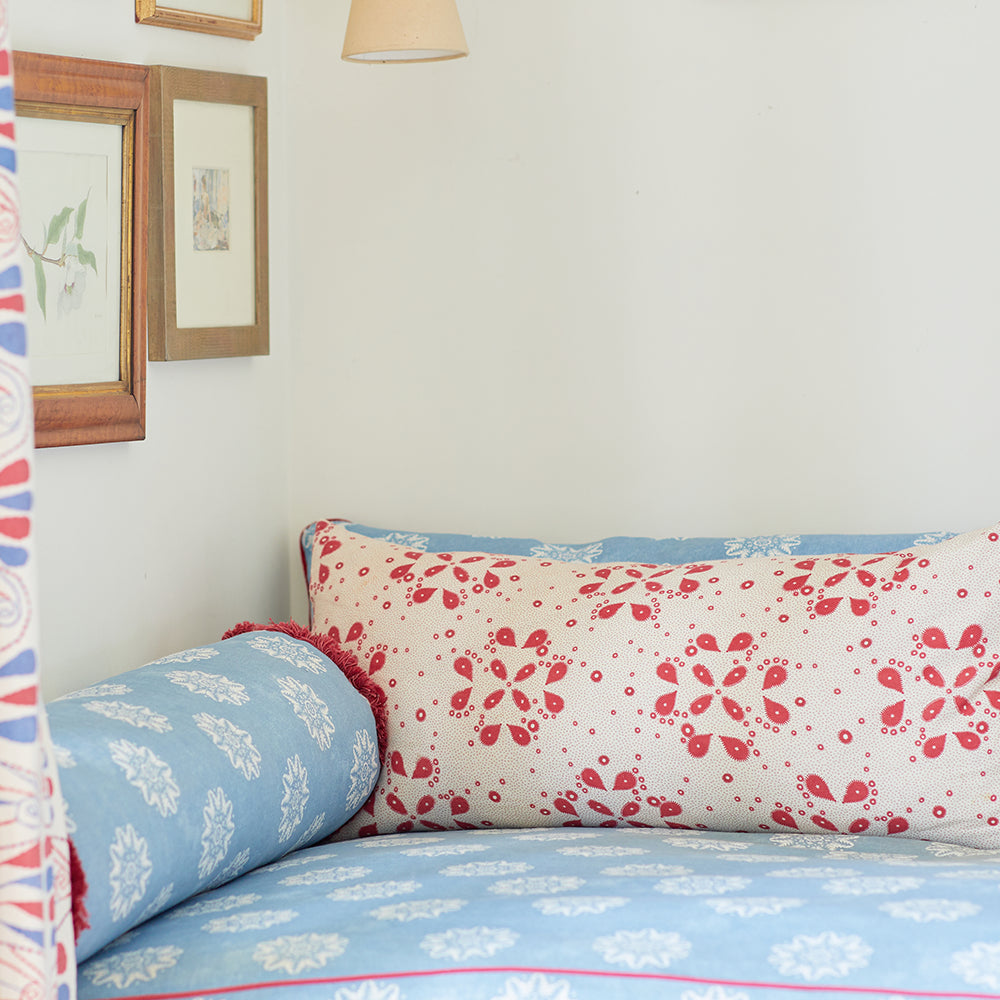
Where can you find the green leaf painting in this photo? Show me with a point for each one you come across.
(73, 258)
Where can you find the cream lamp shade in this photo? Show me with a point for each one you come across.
(381, 31)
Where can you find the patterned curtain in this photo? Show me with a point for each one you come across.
(36, 931)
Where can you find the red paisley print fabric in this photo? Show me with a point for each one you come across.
(842, 693)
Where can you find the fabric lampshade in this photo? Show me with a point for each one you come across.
(404, 31)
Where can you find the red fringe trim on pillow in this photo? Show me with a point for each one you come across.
(78, 889)
(347, 662)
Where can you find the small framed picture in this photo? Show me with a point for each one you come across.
(82, 130)
(208, 265)
(235, 18)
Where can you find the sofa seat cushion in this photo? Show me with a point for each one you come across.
(191, 770)
(851, 693)
(578, 915)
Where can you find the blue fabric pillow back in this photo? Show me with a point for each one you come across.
(187, 772)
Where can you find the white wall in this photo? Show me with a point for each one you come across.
(657, 267)
(148, 547)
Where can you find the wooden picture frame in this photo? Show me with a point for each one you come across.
(192, 19)
(73, 100)
(208, 242)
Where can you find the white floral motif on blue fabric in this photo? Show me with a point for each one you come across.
(220, 905)
(979, 965)
(925, 910)
(487, 868)
(444, 850)
(653, 870)
(602, 851)
(762, 545)
(814, 872)
(126, 968)
(295, 782)
(715, 993)
(577, 906)
(217, 832)
(418, 909)
(369, 990)
(130, 870)
(149, 774)
(214, 686)
(373, 890)
(462, 943)
(643, 948)
(311, 832)
(569, 553)
(252, 920)
(134, 715)
(187, 656)
(754, 906)
(408, 540)
(290, 651)
(701, 885)
(295, 953)
(365, 769)
(235, 743)
(871, 885)
(537, 885)
(703, 844)
(97, 691)
(537, 986)
(324, 876)
(820, 956)
(310, 708)
(235, 867)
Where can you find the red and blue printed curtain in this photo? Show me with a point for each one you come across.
(36, 930)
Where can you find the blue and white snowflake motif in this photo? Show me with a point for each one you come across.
(536, 986)
(217, 832)
(418, 543)
(187, 656)
(235, 868)
(569, 553)
(97, 691)
(213, 686)
(310, 708)
(762, 545)
(293, 803)
(128, 967)
(235, 743)
(134, 715)
(130, 870)
(254, 920)
(933, 537)
(364, 770)
(312, 832)
(295, 953)
(369, 990)
(294, 651)
(463, 943)
(149, 774)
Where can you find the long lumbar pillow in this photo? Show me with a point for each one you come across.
(839, 693)
(187, 772)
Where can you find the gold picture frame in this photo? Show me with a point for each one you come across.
(192, 19)
(208, 238)
(71, 100)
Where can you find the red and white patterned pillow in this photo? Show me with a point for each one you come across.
(834, 693)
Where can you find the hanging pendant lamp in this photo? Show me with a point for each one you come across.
(381, 31)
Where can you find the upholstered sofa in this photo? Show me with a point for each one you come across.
(704, 769)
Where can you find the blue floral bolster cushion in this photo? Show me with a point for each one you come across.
(183, 774)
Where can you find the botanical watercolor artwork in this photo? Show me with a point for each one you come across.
(71, 239)
(61, 245)
(210, 208)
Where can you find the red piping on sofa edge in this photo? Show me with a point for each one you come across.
(346, 661)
